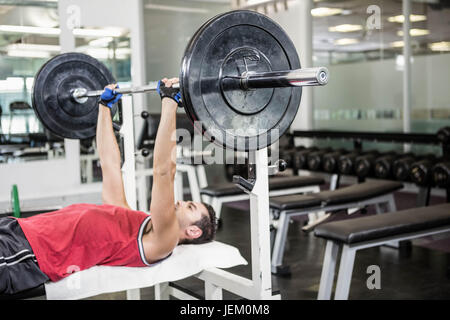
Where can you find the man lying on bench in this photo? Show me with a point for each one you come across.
(51, 246)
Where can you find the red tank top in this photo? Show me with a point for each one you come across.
(80, 236)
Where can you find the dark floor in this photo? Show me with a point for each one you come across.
(417, 271)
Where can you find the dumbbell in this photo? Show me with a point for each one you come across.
(364, 164)
(346, 162)
(402, 166)
(330, 160)
(421, 171)
(314, 159)
(441, 174)
(299, 158)
(383, 168)
(288, 155)
(443, 135)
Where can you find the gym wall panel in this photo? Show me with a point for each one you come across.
(168, 27)
(368, 95)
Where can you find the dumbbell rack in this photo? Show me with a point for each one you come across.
(359, 137)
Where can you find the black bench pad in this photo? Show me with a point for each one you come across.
(385, 224)
(353, 193)
(275, 183)
(359, 192)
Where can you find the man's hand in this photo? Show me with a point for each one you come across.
(109, 97)
(165, 90)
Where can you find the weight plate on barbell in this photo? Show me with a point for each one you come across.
(225, 47)
(52, 99)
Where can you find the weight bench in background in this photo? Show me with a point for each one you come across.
(217, 195)
(372, 231)
(375, 192)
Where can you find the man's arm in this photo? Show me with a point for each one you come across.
(113, 190)
(162, 207)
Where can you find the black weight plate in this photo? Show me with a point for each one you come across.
(240, 120)
(52, 100)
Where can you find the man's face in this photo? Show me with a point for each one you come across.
(189, 212)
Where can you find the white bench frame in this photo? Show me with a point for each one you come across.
(348, 259)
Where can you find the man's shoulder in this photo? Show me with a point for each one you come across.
(159, 245)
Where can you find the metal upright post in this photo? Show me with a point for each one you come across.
(129, 167)
(406, 70)
(260, 226)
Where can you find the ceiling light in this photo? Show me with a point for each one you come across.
(30, 30)
(397, 44)
(345, 41)
(412, 18)
(252, 2)
(34, 47)
(415, 32)
(440, 46)
(101, 42)
(175, 8)
(110, 32)
(345, 28)
(325, 12)
(28, 54)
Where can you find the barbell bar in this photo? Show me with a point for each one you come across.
(291, 78)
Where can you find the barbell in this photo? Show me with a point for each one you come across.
(240, 83)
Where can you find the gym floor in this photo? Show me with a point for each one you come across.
(417, 271)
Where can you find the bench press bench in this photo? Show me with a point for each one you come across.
(194, 259)
(217, 195)
(372, 231)
(374, 192)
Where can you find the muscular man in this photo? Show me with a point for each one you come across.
(51, 246)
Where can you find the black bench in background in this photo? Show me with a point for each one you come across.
(372, 231)
(375, 192)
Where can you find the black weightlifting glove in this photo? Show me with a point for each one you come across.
(169, 92)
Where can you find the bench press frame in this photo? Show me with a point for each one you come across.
(216, 280)
(285, 216)
(348, 259)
